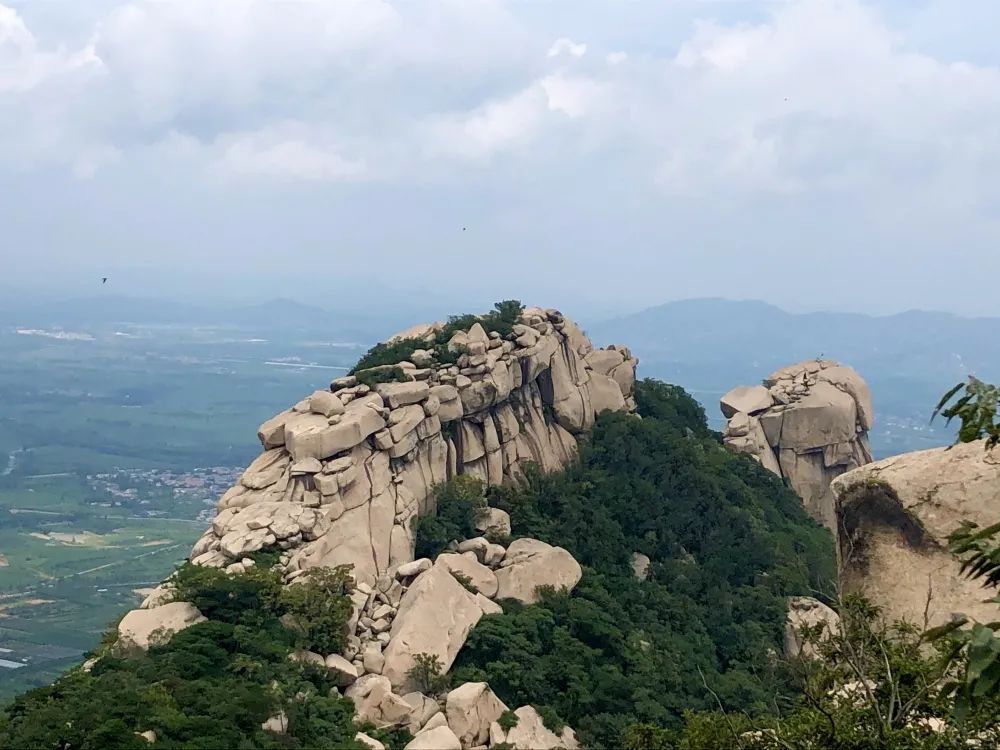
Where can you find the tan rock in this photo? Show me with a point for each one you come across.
(806, 612)
(531, 563)
(470, 709)
(402, 394)
(325, 403)
(481, 578)
(900, 512)
(266, 469)
(277, 723)
(272, 433)
(530, 733)
(341, 670)
(310, 435)
(640, 566)
(369, 742)
(434, 617)
(439, 738)
(142, 628)
(494, 521)
(748, 399)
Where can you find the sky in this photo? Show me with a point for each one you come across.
(604, 156)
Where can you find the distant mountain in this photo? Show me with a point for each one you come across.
(909, 359)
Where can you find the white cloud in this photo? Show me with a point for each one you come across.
(24, 64)
(567, 47)
(286, 152)
(794, 107)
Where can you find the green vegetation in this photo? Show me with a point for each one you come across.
(426, 675)
(458, 503)
(381, 374)
(214, 683)
(874, 685)
(501, 319)
(728, 544)
(976, 409)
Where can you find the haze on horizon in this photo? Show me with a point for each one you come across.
(818, 154)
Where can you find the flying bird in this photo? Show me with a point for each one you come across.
(104, 279)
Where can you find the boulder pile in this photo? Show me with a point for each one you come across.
(344, 473)
(809, 423)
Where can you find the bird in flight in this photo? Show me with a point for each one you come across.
(463, 229)
(104, 279)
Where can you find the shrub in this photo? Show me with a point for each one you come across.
(458, 504)
(426, 674)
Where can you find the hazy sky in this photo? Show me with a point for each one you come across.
(813, 153)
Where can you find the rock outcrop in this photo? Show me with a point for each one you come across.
(808, 423)
(806, 613)
(895, 518)
(142, 628)
(344, 473)
(530, 733)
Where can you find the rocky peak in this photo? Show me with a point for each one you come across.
(807, 422)
(345, 471)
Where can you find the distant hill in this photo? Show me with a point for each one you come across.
(909, 359)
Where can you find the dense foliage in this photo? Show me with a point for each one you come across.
(727, 542)
(214, 683)
(501, 319)
(874, 685)
(458, 503)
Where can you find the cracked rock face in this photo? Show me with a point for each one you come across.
(809, 423)
(344, 473)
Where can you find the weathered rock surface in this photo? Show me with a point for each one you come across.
(530, 733)
(142, 628)
(895, 518)
(345, 472)
(470, 709)
(439, 738)
(808, 423)
(434, 617)
(531, 563)
(806, 612)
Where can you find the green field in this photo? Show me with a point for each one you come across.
(92, 433)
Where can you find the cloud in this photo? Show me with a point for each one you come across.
(822, 113)
(567, 47)
(286, 153)
(24, 65)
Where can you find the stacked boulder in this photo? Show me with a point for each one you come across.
(344, 473)
(809, 423)
(430, 607)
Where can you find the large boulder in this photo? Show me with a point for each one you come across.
(142, 628)
(807, 423)
(895, 518)
(804, 612)
(748, 399)
(438, 738)
(529, 733)
(470, 709)
(434, 617)
(531, 563)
